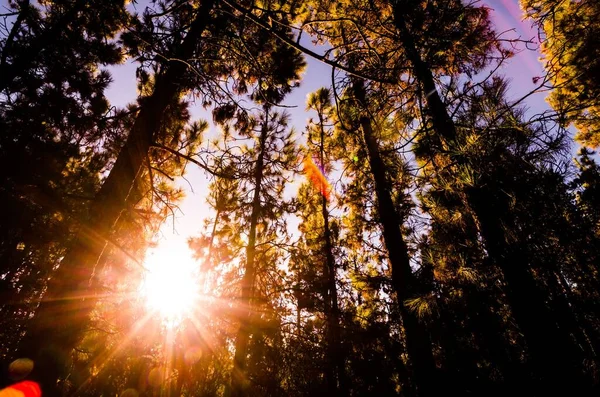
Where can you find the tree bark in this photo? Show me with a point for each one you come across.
(63, 314)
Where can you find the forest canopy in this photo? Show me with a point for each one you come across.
(370, 198)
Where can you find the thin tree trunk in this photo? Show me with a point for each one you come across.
(336, 356)
(239, 385)
(418, 342)
(298, 317)
(63, 314)
(567, 312)
(330, 372)
(586, 331)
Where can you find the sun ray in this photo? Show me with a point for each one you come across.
(101, 361)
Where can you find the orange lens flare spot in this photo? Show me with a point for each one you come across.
(22, 389)
(20, 368)
(316, 177)
(192, 355)
(130, 393)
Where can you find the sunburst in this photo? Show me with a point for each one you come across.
(171, 286)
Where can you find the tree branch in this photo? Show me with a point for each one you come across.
(192, 160)
(247, 13)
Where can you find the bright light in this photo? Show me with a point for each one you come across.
(171, 286)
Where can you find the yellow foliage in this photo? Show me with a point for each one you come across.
(422, 306)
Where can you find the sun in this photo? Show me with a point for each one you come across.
(171, 285)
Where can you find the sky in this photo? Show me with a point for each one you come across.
(506, 15)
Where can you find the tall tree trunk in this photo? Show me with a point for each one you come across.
(544, 337)
(239, 385)
(336, 360)
(418, 342)
(436, 107)
(63, 314)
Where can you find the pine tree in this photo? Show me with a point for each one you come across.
(430, 55)
(320, 231)
(487, 203)
(570, 46)
(510, 170)
(587, 182)
(171, 80)
(57, 125)
(404, 283)
(252, 204)
(111, 333)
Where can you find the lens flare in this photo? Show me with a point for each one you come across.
(22, 389)
(316, 177)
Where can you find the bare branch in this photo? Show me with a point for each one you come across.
(194, 161)
(247, 13)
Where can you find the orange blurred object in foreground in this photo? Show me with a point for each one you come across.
(316, 177)
(22, 389)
